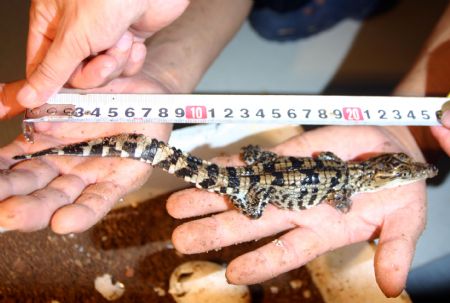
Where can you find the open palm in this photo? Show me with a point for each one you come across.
(70, 193)
(396, 216)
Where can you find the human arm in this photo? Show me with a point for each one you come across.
(430, 77)
(72, 194)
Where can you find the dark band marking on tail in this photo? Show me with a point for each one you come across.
(166, 157)
(185, 172)
(74, 149)
(96, 149)
(194, 159)
(213, 172)
(177, 154)
(148, 154)
(129, 147)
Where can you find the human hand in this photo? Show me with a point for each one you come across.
(397, 216)
(73, 40)
(71, 193)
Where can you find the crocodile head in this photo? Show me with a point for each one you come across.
(391, 170)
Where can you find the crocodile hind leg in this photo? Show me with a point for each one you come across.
(253, 203)
(329, 156)
(240, 202)
(340, 200)
(252, 154)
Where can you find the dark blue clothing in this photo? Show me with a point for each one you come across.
(430, 283)
(287, 20)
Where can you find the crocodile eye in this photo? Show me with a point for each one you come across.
(402, 174)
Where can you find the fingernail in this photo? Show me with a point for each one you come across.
(27, 96)
(124, 42)
(446, 119)
(107, 69)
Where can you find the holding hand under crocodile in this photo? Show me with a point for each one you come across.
(287, 182)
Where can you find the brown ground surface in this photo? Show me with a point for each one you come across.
(133, 245)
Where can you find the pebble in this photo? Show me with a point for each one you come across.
(296, 284)
(107, 289)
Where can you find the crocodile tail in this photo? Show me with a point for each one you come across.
(50, 151)
(140, 147)
(201, 173)
(124, 145)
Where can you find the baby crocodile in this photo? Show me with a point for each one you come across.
(287, 182)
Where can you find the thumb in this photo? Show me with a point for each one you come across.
(63, 57)
(442, 135)
(446, 119)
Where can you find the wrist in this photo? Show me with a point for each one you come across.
(180, 54)
(166, 77)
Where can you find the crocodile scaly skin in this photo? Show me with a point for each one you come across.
(288, 182)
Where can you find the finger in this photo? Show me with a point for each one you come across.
(94, 73)
(290, 251)
(228, 228)
(26, 177)
(33, 212)
(195, 202)
(102, 68)
(395, 250)
(95, 201)
(63, 56)
(136, 60)
(9, 107)
(442, 135)
(318, 230)
(446, 119)
(293, 249)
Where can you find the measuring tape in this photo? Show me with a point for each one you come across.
(198, 108)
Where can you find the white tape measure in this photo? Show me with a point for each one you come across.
(198, 108)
